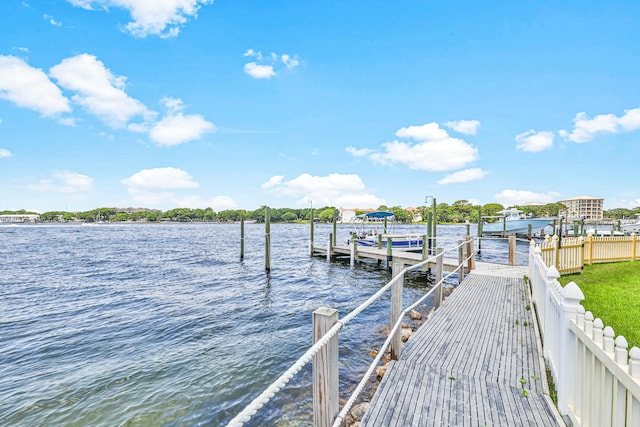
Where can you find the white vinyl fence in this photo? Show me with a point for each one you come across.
(597, 379)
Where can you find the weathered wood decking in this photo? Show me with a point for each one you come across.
(470, 362)
(371, 253)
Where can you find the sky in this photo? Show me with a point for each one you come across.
(239, 104)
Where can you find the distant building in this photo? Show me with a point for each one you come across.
(348, 214)
(583, 206)
(19, 218)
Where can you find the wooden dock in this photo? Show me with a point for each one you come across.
(380, 255)
(475, 362)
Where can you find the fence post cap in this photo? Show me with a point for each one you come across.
(581, 309)
(609, 332)
(621, 342)
(598, 323)
(635, 353)
(588, 316)
(572, 291)
(552, 273)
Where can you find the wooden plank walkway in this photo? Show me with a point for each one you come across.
(474, 362)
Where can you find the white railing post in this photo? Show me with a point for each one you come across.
(438, 278)
(396, 310)
(325, 369)
(567, 351)
(549, 329)
(460, 261)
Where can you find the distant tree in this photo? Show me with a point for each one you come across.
(289, 217)
(327, 214)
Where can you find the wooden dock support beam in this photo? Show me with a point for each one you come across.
(330, 247)
(325, 369)
(439, 265)
(241, 238)
(512, 250)
(354, 250)
(389, 254)
(396, 310)
(267, 239)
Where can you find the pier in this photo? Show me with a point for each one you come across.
(476, 361)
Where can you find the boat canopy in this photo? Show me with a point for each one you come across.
(376, 214)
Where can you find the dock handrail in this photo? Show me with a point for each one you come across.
(250, 410)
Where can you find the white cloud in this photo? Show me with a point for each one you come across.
(157, 186)
(259, 71)
(52, 21)
(264, 67)
(173, 105)
(160, 179)
(178, 129)
(68, 121)
(290, 62)
(584, 128)
(4, 153)
(333, 190)
(426, 132)
(151, 17)
(464, 176)
(274, 181)
(468, 127)
(533, 141)
(22, 49)
(362, 152)
(30, 87)
(64, 182)
(520, 197)
(436, 151)
(444, 155)
(98, 90)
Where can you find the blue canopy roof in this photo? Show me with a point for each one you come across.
(376, 214)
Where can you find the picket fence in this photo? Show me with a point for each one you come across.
(597, 380)
(569, 255)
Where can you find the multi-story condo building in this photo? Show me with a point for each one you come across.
(583, 206)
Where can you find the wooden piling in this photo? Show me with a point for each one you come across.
(389, 254)
(325, 369)
(330, 247)
(311, 229)
(396, 311)
(430, 232)
(335, 234)
(438, 278)
(435, 224)
(480, 224)
(267, 239)
(354, 249)
(241, 238)
(512, 250)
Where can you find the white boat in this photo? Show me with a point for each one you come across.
(514, 222)
(370, 230)
(631, 228)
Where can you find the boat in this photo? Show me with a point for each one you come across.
(371, 226)
(634, 227)
(515, 222)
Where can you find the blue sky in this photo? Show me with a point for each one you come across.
(239, 104)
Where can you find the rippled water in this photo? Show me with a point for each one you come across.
(162, 324)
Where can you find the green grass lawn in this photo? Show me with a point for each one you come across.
(612, 293)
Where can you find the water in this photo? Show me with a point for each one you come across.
(162, 324)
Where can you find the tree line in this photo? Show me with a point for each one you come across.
(458, 212)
